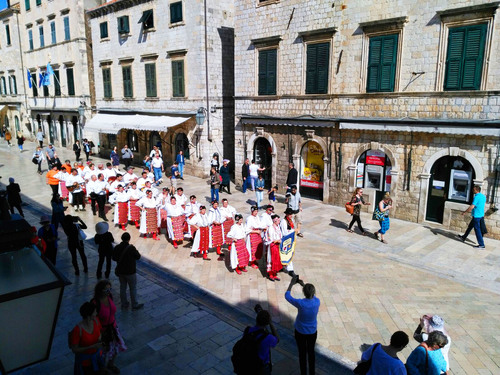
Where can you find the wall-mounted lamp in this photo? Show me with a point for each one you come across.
(200, 116)
(214, 108)
(283, 146)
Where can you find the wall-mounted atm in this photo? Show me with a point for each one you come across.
(460, 184)
(374, 176)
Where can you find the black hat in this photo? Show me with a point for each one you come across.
(288, 211)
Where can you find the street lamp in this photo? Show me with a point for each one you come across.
(200, 116)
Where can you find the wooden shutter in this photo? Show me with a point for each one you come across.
(27, 4)
(382, 58)
(127, 81)
(71, 81)
(150, 80)
(317, 68)
(176, 12)
(106, 81)
(57, 83)
(267, 72)
(104, 29)
(178, 78)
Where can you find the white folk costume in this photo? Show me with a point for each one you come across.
(175, 222)
(181, 200)
(190, 210)
(129, 177)
(216, 230)
(76, 196)
(155, 191)
(109, 172)
(287, 227)
(114, 186)
(134, 212)
(239, 252)
(266, 220)
(201, 241)
(62, 176)
(254, 240)
(227, 220)
(120, 200)
(149, 215)
(141, 182)
(274, 265)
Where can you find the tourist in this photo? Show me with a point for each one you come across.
(384, 358)
(293, 201)
(226, 177)
(77, 149)
(427, 358)
(127, 156)
(382, 215)
(214, 185)
(14, 196)
(48, 234)
(73, 226)
(181, 161)
(477, 211)
(357, 201)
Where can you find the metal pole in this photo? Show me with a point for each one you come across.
(209, 135)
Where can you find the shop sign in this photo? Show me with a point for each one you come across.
(375, 157)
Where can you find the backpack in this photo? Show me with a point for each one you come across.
(245, 356)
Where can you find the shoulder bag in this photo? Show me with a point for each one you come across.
(349, 208)
(363, 367)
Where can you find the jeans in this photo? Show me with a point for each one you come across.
(72, 249)
(131, 281)
(252, 181)
(20, 147)
(181, 169)
(260, 197)
(214, 195)
(244, 185)
(471, 225)
(157, 173)
(305, 345)
(477, 230)
(40, 166)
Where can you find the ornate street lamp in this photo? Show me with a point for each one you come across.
(200, 116)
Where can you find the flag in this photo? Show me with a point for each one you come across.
(40, 79)
(50, 71)
(29, 78)
(44, 79)
(287, 248)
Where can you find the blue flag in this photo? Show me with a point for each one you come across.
(29, 78)
(44, 80)
(50, 71)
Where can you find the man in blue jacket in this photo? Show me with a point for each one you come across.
(180, 161)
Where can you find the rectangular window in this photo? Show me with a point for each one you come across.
(464, 59)
(150, 80)
(3, 87)
(147, 19)
(7, 34)
(104, 29)
(57, 83)
(382, 58)
(106, 82)
(318, 58)
(38, 2)
(30, 39)
(27, 5)
(176, 12)
(45, 87)
(267, 72)
(127, 82)
(53, 32)
(123, 25)
(42, 39)
(34, 84)
(13, 85)
(71, 81)
(67, 35)
(178, 79)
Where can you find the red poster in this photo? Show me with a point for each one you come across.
(311, 184)
(375, 160)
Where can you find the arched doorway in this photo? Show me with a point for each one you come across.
(451, 180)
(181, 143)
(312, 168)
(16, 123)
(63, 131)
(154, 140)
(262, 154)
(374, 172)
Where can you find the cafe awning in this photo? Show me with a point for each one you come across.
(113, 123)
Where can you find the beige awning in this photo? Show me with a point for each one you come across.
(112, 123)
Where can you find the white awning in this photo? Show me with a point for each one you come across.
(472, 129)
(112, 124)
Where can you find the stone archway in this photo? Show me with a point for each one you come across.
(426, 175)
(260, 133)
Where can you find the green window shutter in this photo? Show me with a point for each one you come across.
(71, 81)
(150, 80)
(127, 82)
(106, 82)
(382, 58)
(30, 39)
(123, 25)
(147, 19)
(317, 68)
(7, 34)
(38, 2)
(27, 4)
(67, 35)
(57, 83)
(178, 78)
(14, 85)
(176, 12)
(267, 72)
(464, 59)
(104, 29)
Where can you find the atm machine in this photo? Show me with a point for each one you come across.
(460, 183)
(374, 176)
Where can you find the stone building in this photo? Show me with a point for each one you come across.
(55, 32)
(12, 100)
(397, 98)
(151, 81)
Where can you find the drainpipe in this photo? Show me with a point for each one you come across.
(409, 162)
(209, 135)
(339, 158)
(23, 73)
(495, 183)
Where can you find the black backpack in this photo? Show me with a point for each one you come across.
(245, 356)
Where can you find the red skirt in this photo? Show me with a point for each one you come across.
(64, 190)
(151, 220)
(276, 265)
(227, 227)
(178, 228)
(242, 251)
(186, 228)
(204, 238)
(256, 245)
(163, 218)
(122, 212)
(134, 211)
(217, 239)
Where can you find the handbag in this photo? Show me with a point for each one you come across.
(363, 367)
(81, 234)
(34, 160)
(349, 208)
(378, 215)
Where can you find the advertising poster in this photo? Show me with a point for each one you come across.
(312, 166)
(375, 157)
(359, 175)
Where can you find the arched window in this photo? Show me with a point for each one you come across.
(132, 141)
(155, 140)
(182, 143)
(16, 122)
(374, 171)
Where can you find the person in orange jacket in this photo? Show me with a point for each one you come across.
(52, 181)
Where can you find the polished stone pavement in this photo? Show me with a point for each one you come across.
(195, 310)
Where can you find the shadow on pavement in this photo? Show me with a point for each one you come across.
(338, 224)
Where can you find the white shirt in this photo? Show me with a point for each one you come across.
(237, 232)
(141, 182)
(284, 227)
(155, 191)
(227, 212)
(199, 220)
(153, 153)
(146, 202)
(134, 194)
(119, 197)
(157, 162)
(215, 216)
(253, 222)
(265, 219)
(192, 208)
(254, 170)
(109, 173)
(91, 172)
(174, 210)
(129, 177)
(71, 181)
(62, 175)
(273, 233)
(98, 187)
(180, 199)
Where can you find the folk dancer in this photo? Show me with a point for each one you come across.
(239, 251)
(120, 199)
(273, 240)
(75, 184)
(134, 212)
(254, 238)
(96, 190)
(62, 176)
(175, 222)
(129, 176)
(181, 197)
(149, 215)
(201, 241)
(154, 190)
(287, 227)
(141, 182)
(227, 212)
(192, 208)
(109, 172)
(114, 185)
(266, 217)
(216, 230)
(163, 200)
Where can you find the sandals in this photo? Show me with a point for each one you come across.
(350, 230)
(383, 241)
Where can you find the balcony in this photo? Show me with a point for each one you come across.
(57, 103)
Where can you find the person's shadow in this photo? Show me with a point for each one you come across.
(338, 224)
(442, 232)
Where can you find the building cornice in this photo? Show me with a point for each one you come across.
(114, 6)
(487, 8)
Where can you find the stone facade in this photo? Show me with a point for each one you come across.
(418, 115)
(162, 44)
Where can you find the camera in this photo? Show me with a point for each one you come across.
(258, 308)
